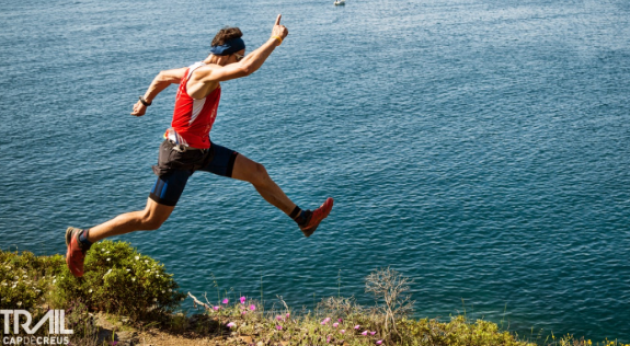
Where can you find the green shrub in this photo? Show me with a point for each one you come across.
(119, 280)
(26, 279)
(459, 331)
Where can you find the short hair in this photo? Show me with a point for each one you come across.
(226, 34)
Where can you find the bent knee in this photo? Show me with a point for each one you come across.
(259, 175)
(151, 222)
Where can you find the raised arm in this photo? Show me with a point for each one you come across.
(159, 83)
(252, 62)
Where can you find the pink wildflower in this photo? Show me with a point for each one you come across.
(379, 342)
(343, 331)
(328, 339)
(231, 325)
(243, 313)
(340, 320)
(216, 308)
(335, 325)
(288, 315)
(326, 320)
(252, 307)
(243, 299)
(279, 318)
(364, 333)
(357, 327)
(279, 327)
(225, 301)
(372, 333)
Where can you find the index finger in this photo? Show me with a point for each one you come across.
(278, 19)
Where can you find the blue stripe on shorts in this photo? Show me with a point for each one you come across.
(169, 188)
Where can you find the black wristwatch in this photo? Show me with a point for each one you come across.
(144, 102)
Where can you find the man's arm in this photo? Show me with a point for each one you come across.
(249, 64)
(159, 83)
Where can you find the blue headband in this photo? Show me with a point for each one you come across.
(229, 47)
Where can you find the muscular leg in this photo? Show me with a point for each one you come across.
(256, 174)
(151, 218)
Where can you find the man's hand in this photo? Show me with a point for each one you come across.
(139, 109)
(279, 30)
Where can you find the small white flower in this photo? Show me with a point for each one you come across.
(4, 283)
(128, 270)
(90, 290)
(54, 281)
(24, 276)
(133, 279)
(9, 267)
(146, 261)
(103, 250)
(107, 252)
(19, 304)
(14, 285)
(137, 258)
(155, 299)
(183, 299)
(108, 259)
(163, 291)
(170, 290)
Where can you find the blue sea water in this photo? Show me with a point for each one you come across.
(480, 147)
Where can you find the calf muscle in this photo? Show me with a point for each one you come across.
(149, 219)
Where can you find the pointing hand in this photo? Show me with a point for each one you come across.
(279, 30)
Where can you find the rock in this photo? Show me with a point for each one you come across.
(246, 339)
(128, 338)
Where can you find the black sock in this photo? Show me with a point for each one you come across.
(303, 218)
(84, 240)
(300, 216)
(295, 213)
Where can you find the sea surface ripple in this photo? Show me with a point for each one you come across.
(480, 147)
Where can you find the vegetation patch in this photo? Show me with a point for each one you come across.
(120, 280)
(135, 294)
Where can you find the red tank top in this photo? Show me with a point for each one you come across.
(193, 119)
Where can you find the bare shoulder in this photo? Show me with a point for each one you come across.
(201, 82)
(204, 72)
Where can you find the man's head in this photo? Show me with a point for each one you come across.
(228, 43)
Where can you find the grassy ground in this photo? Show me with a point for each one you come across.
(126, 298)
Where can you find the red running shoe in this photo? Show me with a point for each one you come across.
(317, 216)
(75, 255)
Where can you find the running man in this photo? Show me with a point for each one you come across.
(188, 148)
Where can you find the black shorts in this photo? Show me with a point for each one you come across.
(174, 168)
